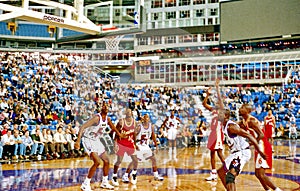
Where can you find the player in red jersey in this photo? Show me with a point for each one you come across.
(90, 132)
(270, 125)
(252, 125)
(216, 136)
(127, 145)
(145, 132)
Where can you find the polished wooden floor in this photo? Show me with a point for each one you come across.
(185, 173)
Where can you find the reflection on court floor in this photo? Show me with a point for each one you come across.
(186, 173)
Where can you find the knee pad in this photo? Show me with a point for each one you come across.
(230, 178)
(236, 164)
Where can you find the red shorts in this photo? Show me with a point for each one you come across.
(122, 149)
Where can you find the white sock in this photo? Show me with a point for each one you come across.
(214, 171)
(105, 179)
(155, 174)
(277, 189)
(115, 175)
(126, 174)
(87, 180)
(134, 171)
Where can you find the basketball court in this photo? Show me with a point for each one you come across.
(187, 172)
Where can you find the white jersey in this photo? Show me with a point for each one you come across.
(144, 135)
(235, 142)
(95, 132)
(172, 123)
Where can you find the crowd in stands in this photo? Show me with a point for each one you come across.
(44, 99)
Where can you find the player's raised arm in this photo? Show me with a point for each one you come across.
(205, 104)
(220, 100)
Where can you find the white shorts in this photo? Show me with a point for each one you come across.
(243, 155)
(144, 152)
(172, 133)
(91, 145)
(260, 162)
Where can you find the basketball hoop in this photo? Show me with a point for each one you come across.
(112, 42)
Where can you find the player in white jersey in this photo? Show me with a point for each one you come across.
(172, 123)
(145, 131)
(239, 150)
(90, 132)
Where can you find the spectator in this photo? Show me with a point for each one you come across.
(2, 117)
(8, 143)
(162, 135)
(38, 139)
(258, 109)
(280, 131)
(293, 131)
(1, 148)
(187, 136)
(70, 145)
(6, 128)
(60, 142)
(49, 144)
(19, 146)
(28, 144)
(197, 136)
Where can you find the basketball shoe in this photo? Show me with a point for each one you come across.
(114, 181)
(158, 178)
(85, 187)
(133, 179)
(106, 185)
(213, 176)
(125, 179)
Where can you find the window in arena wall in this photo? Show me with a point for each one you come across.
(156, 3)
(213, 12)
(216, 20)
(117, 12)
(170, 39)
(187, 38)
(38, 10)
(143, 41)
(184, 2)
(198, 2)
(184, 14)
(211, 37)
(155, 40)
(210, 21)
(101, 13)
(130, 12)
(213, 1)
(156, 16)
(90, 12)
(171, 15)
(50, 11)
(170, 3)
(199, 13)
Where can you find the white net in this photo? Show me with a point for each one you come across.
(112, 42)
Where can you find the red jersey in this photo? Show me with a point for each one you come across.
(216, 136)
(269, 126)
(127, 129)
(265, 145)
